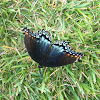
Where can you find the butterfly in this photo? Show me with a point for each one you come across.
(48, 54)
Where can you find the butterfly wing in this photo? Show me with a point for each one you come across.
(60, 56)
(37, 45)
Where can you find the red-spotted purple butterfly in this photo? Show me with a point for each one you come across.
(46, 53)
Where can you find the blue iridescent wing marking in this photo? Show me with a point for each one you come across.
(49, 54)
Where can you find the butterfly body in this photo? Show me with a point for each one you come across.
(41, 49)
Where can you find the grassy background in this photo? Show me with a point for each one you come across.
(75, 21)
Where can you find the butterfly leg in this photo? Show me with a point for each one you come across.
(40, 66)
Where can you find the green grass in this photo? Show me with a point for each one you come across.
(75, 21)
